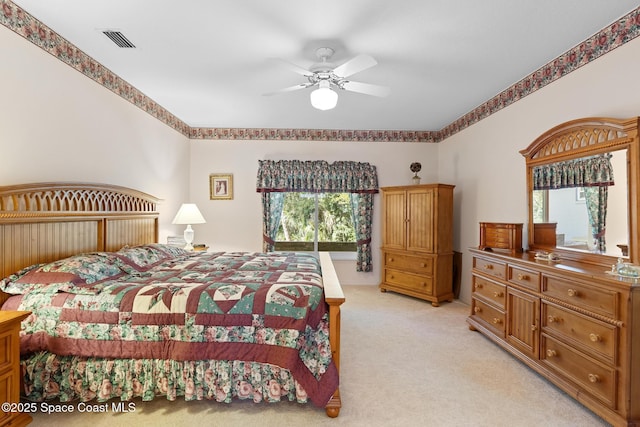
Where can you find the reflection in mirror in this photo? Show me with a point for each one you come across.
(581, 204)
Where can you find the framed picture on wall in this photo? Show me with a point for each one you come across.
(221, 186)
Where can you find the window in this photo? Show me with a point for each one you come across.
(540, 205)
(316, 222)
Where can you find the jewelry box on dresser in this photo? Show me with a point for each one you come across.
(563, 311)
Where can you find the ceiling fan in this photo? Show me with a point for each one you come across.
(327, 78)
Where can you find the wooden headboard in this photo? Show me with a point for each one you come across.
(48, 221)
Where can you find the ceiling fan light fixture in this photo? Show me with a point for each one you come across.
(324, 98)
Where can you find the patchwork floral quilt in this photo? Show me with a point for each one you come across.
(154, 319)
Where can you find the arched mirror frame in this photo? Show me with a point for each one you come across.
(587, 137)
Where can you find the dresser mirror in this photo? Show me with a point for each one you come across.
(582, 186)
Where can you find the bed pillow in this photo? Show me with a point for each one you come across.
(9, 285)
(144, 257)
(79, 274)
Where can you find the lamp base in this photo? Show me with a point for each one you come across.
(188, 237)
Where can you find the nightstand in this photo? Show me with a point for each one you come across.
(10, 366)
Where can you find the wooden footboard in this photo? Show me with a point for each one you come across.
(334, 297)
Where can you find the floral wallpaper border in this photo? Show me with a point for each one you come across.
(618, 33)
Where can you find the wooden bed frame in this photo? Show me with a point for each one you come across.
(45, 222)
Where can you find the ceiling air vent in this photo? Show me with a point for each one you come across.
(118, 38)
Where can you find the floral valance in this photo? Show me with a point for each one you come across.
(316, 176)
(594, 171)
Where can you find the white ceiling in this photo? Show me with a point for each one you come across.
(209, 62)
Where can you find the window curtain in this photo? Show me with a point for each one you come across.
(362, 211)
(595, 175)
(283, 176)
(594, 171)
(596, 201)
(272, 204)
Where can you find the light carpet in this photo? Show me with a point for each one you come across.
(404, 363)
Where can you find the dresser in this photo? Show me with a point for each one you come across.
(417, 241)
(570, 321)
(10, 368)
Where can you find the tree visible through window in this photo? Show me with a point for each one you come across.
(316, 222)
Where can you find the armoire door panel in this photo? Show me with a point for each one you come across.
(420, 213)
(396, 224)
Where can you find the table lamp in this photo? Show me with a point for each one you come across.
(188, 214)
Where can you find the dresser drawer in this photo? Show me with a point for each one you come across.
(418, 264)
(414, 282)
(595, 337)
(523, 277)
(492, 268)
(597, 379)
(493, 318)
(491, 291)
(601, 301)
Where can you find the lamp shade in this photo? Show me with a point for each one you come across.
(188, 214)
(324, 98)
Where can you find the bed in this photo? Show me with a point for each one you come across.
(116, 315)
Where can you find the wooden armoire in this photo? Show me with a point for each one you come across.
(417, 241)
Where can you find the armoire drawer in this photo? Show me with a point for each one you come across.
(595, 337)
(492, 317)
(601, 301)
(490, 267)
(418, 264)
(491, 291)
(415, 282)
(597, 379)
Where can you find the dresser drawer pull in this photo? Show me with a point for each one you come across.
(552, 319)
(423, 265)
(593, 378)
(479, 286)
(534, 328)
(595, 337)
(572, 292)
(488, 266)
(477, 310)
(523, 276)
(551, 353)
(423, 283)
(390, 259)
(497, 321)
(498, 294)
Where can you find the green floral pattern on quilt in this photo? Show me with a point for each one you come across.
(202, 304)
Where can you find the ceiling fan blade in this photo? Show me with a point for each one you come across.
(367, 89)
(355, 65)
(295, 68)
(289, 89)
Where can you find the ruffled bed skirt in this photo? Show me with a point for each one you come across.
(70, 378)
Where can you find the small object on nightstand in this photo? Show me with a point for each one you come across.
(176, 241)
(200, 247)
(187, 215)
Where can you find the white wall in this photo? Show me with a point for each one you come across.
(484, 163)
(237, 224)
(58, 125)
